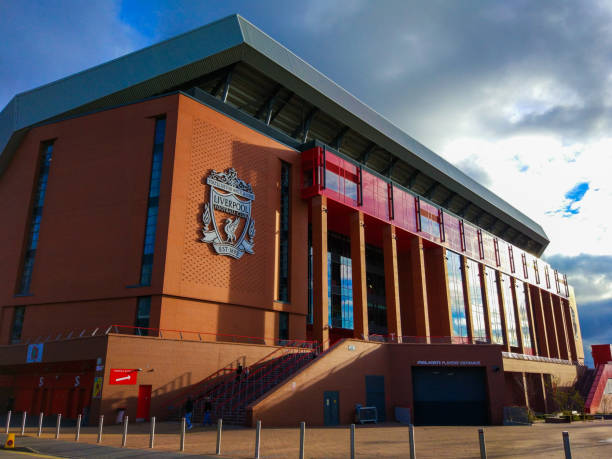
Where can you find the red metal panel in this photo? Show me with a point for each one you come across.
(452, 233)
(369, 193)
(382, 197)
(471, 240)
(489, 249)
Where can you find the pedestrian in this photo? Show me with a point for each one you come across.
(207, 411)
(238, 372)
(188, 412)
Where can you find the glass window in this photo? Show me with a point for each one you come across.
(283, 325)
(143, 314)
(285, 219)
(310, 277)
(455, 286)
(35, 219)
(521, 302)
(332, 181)
(509, 310)
(574, 324)
(340, 283)
(497, 334)
(377, 303)
(476, 302)
(17, 327)
(146, 269)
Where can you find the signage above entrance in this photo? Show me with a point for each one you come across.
(229, 211)
(450, 363)
(123, 376)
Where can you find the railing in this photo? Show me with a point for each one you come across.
(190, 335)
(65, 335)
(536, 358)
(428, 339)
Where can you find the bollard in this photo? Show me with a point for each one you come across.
(483, 448)
(302, 435)
(40, 421)
(125, 426)
(57, 427)
(182, 445)
(100, 425)
(411, 438)
(78, 428)
(152, 433)
(23, 422)
(8, 420)
(219, 427)
(257, 439)
(352, 441)
(566, 445)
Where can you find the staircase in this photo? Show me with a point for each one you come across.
(596, 390)
(230, 395)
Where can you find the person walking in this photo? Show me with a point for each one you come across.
(188, 412)
(207, 411)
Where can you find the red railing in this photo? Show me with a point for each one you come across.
(428, 339)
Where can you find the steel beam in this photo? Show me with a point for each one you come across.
(363, 158)
(431, 189)
(389, 169)
(304, 128)
(279, 109)
(337, 142)
(266, 107)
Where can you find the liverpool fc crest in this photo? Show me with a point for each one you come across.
(229, 211)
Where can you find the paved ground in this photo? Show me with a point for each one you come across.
(589, 440)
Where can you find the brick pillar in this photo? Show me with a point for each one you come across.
(438, 297)
(571, 338)
(394, 321)
(467, 297)
(551, 325)
(418, 306)
(320, 306)
(502, 311)
(485, 300)
(561, 332)
(539, 320)
(360, 287)
(517, 318)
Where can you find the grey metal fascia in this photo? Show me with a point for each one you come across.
(272, 58)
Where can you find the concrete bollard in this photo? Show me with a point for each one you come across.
(8, 420)
(352, 441)
(481, 440)
(24, 415)
(100, 425)
(40, 423)
(57, 427)
(566, 445)
(257, 439)
(182, 444)
(77, 434)
(411, 438)
(152, 433)
(219, 428)
(302, 437)
(125, 426)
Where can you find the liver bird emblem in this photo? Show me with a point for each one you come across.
(230, 228)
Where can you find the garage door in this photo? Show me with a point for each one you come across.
(450, 396)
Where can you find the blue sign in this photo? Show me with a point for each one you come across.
(35, 352)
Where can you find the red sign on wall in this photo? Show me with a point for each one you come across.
(123, 376)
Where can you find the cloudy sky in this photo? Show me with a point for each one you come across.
(516, 93)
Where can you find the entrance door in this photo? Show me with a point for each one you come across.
(144, 403)
(375, 395)
(450, 396)
(331, 408)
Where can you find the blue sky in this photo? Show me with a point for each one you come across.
(517, 94)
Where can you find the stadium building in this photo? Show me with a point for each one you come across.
(211, 216)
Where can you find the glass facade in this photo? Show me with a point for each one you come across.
(477, 305)
(521, 302)
(377, 303)
(340, 281)
(455, 286)
(285, 218)
(283, 325)
(310, 277)
(35, 219)
(497, 334)
(509, 310)
(143, 314)
(17, 327)
(146, 269)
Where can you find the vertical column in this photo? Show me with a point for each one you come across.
(525, 389)
(438, 297)
(530, 319)
(466, 297)
(540, 322)
(502, 311)
(485, 300)
(542, 382)
(561, 333)
(570, 328)
(319, 271)
(517, 318)
(394, 321)
(419, 305)
(360, 288)
(551, 325)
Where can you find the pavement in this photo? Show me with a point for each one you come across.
(588, 440)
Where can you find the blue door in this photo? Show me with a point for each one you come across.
(375, 394)
(331, 408)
